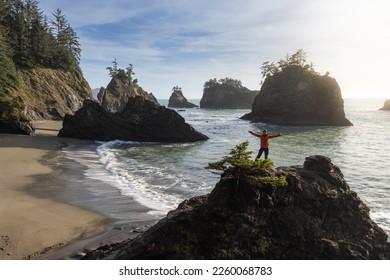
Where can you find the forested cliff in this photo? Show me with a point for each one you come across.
(40, 75)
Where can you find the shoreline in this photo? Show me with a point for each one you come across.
(34, 224)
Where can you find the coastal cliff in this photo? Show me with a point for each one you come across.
(140, 120)
(226, 94)
(42, 93)
(52, 93)
(250, 215)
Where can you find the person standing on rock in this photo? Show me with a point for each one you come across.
(264, 142)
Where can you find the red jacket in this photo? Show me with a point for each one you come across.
(264, 138)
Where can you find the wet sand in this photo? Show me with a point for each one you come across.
(31, 225)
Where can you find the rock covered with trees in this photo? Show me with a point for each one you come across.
(293, 93)
(177, 99)
(39, 72)
(259, 212)
(140, 120)
(226, 93)
(121, 87)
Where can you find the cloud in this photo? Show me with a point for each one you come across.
(186, 43)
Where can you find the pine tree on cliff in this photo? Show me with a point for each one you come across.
(67, 46)
(296, 59)
(35, 41)
(8, 75)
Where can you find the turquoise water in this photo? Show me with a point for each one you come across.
(161, 176)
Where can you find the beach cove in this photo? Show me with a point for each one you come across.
(128, 186)
(31, 225)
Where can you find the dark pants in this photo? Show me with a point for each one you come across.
(265, 150)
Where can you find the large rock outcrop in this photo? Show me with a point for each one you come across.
(140, 120)
(51, 93)
(114, 98)
(386, 106)
(177, 100)
(13, 119)
(296, 96)
(41, 93)
(316, 216)
(219, 95)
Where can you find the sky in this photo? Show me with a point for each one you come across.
(186, 43)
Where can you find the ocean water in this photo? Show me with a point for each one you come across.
(160, 176)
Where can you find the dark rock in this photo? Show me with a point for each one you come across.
(140, 120)
(177, 100)
(386, 106)
(13, 119)
(316, 216)
(297, 96)
(17, 125)
(223, 96)
(114, 98)
(100, 94)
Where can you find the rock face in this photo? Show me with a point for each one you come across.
(140, 120)
(177, 100)
(13, 119)
(42, 94)
(316, 216)
(227, 97)
(296, 96)
(51, 94)
(386, 106)
(114, 98)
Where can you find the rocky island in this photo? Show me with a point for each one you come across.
(126, 112)
(122, 86)
(259, 212)
(226, 93)
(294, 94)
(177, 99)
(140, 120)
(386, 106)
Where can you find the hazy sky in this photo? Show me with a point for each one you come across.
(186, 43)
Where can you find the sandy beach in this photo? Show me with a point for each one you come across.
(30, 225)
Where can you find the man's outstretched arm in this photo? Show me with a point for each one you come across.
(275, 135)
(254, 134)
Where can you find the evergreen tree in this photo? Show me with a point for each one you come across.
(113, 71)
(8, 74)
(61, 32)
(296, 59)
(35, 41)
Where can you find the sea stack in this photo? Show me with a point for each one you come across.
(386, 106)
(140, 120)
(121, 87)
(226, 94)
(293, 93)
(177, 99)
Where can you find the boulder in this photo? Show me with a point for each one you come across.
(316, 216)
(140, 120)
(226, 96)
(296, 96)
(177, 100)
(13, 119)
(386, 106)
(17, 125)
(114, 98)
